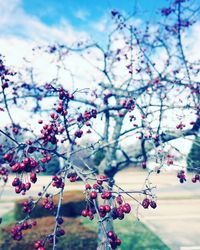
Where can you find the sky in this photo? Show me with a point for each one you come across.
(27, 23)
(82, 12)
(24, 23)
(55, 20)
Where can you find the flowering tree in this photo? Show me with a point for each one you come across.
(145, 94)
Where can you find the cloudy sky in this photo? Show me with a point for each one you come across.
(24, 17)
(24, 22)
(27, 23)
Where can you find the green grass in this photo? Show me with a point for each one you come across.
(7, 219)
(134, 235)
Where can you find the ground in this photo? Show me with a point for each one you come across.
(176, 220)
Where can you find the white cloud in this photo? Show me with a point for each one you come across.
(192, 42)
(7, 10)
(101, 25)
(15, 21)
(20, 32)
(82, 14)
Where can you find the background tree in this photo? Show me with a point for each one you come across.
(52, 167)
(193, 159)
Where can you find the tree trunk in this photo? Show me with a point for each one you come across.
(106, 167)
(102, 240)
(106, 225)
(103, 228)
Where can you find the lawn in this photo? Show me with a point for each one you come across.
(8, 218)
(134, 234)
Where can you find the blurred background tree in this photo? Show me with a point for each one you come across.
(193, 159)
(52, 167)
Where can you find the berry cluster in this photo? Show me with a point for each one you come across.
(106, 195)
(60, 232)
(39, 245)
(78, 133)
(196, 178)
(89, 212)
(46, 157)
(104, 210)
(180, 126)
(147, 202)
(129, 104)
(181, 175)
(4, 73)
(20, 186)
(49, 133)
(60, 109)
(58, 181)
(119, 210)
(4, 174)
(8, 157)
(166, 11)
(113, 239)
(16, 232)
(28, 206)
(170, 160)
(27, 165)
(48, 204)
(87, 115)
(72, 176)
(63, 94)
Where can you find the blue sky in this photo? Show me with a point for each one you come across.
(80, 12)
(25, 24)
(51, 20)
(65, 21)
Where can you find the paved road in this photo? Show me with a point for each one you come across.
(6, 207)
(177, 218)
(167, 185)
(177, 222)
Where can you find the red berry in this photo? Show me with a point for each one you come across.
(126, 208)
(88, 186)
(153, 204)
(145, 203)
(107, 208)
(26, 160)
(110, 234)
(99, 182)
(93, 195)
(34, 223)
(119, 200)
(95, 186)
(84, 213)
(118, 242)
(194, 180)
(28, 185)
(107, 195)
(102, 208)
